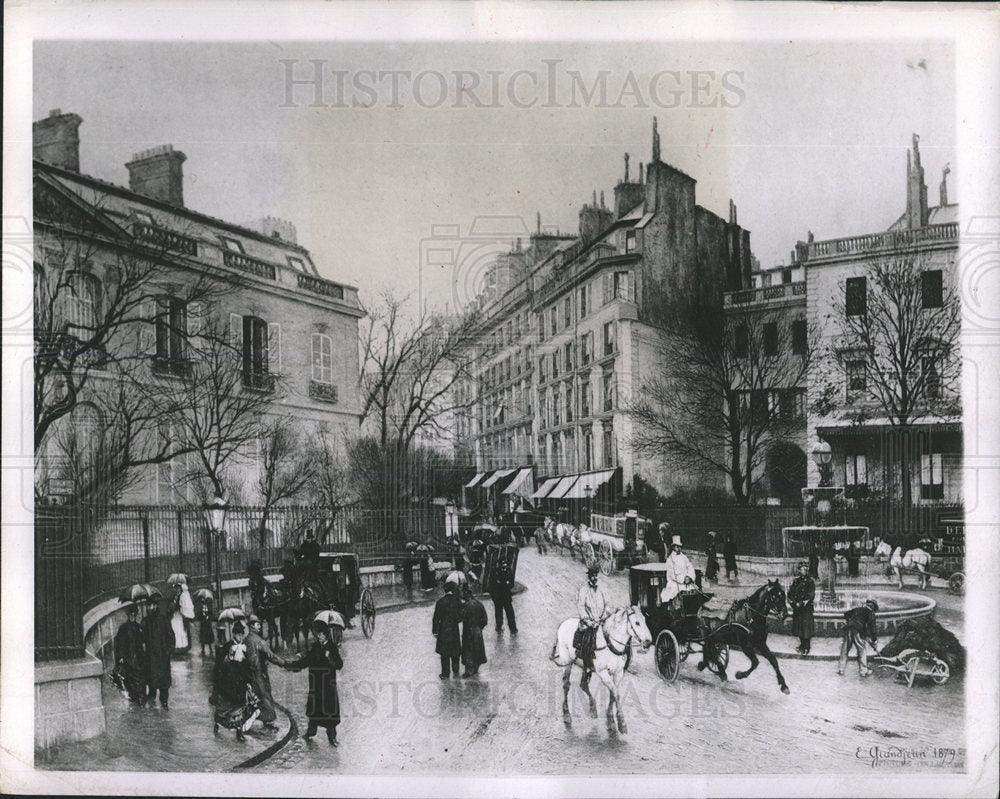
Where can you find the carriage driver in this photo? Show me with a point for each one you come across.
(679, 577)
(592, 607)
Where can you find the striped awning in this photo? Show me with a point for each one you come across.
(522, 484)
(499, 474)
(565, 484)
(476, 479)
(591, 480)
(545, 487)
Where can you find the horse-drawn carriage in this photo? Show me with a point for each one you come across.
(339, 577)
(496, 555)
(618, 540)
(675, 637)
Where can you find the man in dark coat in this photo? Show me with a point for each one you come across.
(259, 654)
(308, 554)
(501, 593)
(323, 661)
(814, 562)
(654, 540)
(858, 633)
(130, 657)
(474, 621)
(729, 553)
(447, 617)
(159, 640)
(801, 596)
(711, 558)
(853, 556)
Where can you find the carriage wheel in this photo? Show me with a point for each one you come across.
(667, 654)
(956, 583)
(607, 558)
(367, 612)
(940, 672)
(628, 655)
(589, 556)
(721, 660)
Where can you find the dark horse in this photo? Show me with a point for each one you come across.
(265, 601)
(745, 629)
(301, 597)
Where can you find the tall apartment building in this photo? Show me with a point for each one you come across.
(570, 339)
(289, 322)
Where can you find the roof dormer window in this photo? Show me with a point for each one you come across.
(231, 244)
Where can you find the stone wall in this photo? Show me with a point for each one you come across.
(68, 703)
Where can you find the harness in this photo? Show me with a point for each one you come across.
(609, 641)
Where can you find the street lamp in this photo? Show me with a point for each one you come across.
(215, 517)
(822, 455)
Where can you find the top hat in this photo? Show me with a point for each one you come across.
(675, 541)
(872, 604)
(592, 570)
(802, 565)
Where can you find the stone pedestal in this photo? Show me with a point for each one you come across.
(68, 703)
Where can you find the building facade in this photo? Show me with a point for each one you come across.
(297, 332)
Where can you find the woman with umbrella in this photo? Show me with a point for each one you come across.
(183, 613)
(323, 661)
(130, 657)
(206, 635)
(426, 567)
(236, 704)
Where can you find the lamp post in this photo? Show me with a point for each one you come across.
(215, 517)
(822, 455)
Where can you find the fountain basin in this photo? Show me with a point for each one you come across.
(893, 608)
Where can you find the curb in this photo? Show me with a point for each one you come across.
(273, 749)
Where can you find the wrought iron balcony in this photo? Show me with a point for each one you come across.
(324, 392)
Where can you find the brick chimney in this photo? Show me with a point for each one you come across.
(594, 220)
(275, 228)
(157, 173)
(56, 140)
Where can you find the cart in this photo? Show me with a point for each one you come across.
(948, 557)
(912, 663)
(675, 638)
(339, 578)
(618, 540)
(493, 556)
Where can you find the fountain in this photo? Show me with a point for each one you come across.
(823, 525)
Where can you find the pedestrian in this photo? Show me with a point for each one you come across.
(711, 561)
(182, 616)
(447, 617)
(801, 596)
(323, 661)
(858, 633)
(814, 562)
(729, 554)
(654, 541)
(427, 571)
(159, 640)
(896, 564)
(853, 557)
(592, 608)
(308, 555)
(130, 657)
(259, 654)
(236, 703)
(206, 635)
(501, 590)
(474, 621)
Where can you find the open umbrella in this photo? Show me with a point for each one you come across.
(231, 614)
(425, 548)
(204, 595)
(330, 618)
(412, 544)
(456, 577)
(177, 579)
(140, 592)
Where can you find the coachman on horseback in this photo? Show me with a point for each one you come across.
(592, 606)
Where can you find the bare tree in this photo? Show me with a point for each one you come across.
(723, 392)
(895, 357)
(284, 474)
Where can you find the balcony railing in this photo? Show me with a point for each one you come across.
(765, 294)
(237, 260)
(324, 392)
(881, 241)
(166, 239)
(318, 285)
(171, 367)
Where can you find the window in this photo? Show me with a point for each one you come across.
(171, 335)
(931, 289)
(770, 339)
(857, 379)
(583, 301)
(855, 469)
(609, 338)
(585, 394)
(586, 347)
(567, 312)
(255, 353)
(793, 404)
(608, 385)
(741, 341)
(322, 358)
(568, 356)
(629, 241)
(569, 403)
(556, 455)
(623, 286)
(931, 476)
(553, 320)
(82, 303)
(556, 407)
(856, 296)
(541, 326)
(931, 377)
(799, 339)
(231, 244)
(510, 331)
(555, 364)
(296, 263)
(609, 446)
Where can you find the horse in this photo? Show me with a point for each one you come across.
(264, 601)
(917, 560)
(745, 628)
(615, 634)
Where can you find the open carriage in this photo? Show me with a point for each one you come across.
(339, 577)
(674, 637)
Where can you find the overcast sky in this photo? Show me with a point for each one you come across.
(813, 135)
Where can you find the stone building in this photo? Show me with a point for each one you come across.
(297, 330)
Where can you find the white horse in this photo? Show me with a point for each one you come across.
(918, 560)
(614, 635)
(883, 552)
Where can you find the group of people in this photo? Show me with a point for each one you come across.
(142, 656)
(458, 624)
(656, 545)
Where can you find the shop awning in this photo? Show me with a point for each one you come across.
(591, 480)
(475, 480)
(545, 487)
(565, 484)
(523, 484)
(499, 474)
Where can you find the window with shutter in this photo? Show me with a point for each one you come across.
(799, 340)
(856, 296)
(931, 476)
(770, 338)
(256, 356)
(931, 289)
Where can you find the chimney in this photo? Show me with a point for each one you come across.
(916, 189)
(944, 184)
(656, 143)
(275, 228)
(157, 173)
(594, 220)
(56, 140)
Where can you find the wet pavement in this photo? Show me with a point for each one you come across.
(400, 718)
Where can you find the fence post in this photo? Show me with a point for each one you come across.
(180, 539)
(146, 565)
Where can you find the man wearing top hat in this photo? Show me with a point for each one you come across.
(801, 596)
(679, 576)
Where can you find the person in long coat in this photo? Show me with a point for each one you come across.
(206, 635)
(802, 596)
(729, 553)
(159, 640)
(235, 702)
(814, 562)
(130, 657)
(427, 571)
(447, 617)
(474, 620)
(259, 654)
(853, 556)
(323, 661)
(711, 559)
(501, 591)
